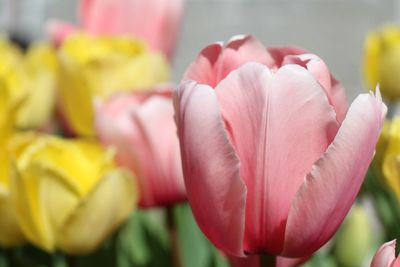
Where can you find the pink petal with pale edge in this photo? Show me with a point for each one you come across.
(216, 61)
(329, 190)
(385, 256)
(132, 123)
(279, 124)
(203, 69)
(215, 190)
(279, 53)
(333, 89)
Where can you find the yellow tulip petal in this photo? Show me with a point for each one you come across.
(97, 216)
(391, 160)
(381, 61)
(55, 179)
(10, 233)
(41, 70)
(111, 64)
(372, 50)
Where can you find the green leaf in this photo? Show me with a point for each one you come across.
(194, 247)
(218, 259)
(132, 242)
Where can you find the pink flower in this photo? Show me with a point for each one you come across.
(155, 21)
(385, 256)
(142, 129)
(254, 261)
(272, 159)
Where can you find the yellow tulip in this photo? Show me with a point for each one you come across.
(12, 89)
(40, 70)
(10, 232)
(382, 61)
(355, 238)
(69, 194)
(96, 67)
(391, 157)
(27, 84)
(11, 95)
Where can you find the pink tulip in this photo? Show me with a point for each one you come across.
(272, 158)
(385, 256)
(254, 261)
(142, 129)
(155, 21)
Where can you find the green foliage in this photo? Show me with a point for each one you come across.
(143, 241)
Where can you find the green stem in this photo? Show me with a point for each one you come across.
(173, 236)
(267, 260)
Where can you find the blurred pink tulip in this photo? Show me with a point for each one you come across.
(157, 22)
(254, 261)
(271, 149)
(142, 129)
(385, 256)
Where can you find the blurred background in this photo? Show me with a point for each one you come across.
(333, 29)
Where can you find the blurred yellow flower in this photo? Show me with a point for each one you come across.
(12, 90)
(27, 85)
(391, 156)
(27, 88)
(10, 232)
(69, 194)
(355, 238)
(382, 61)
(40, 67)
(11, 95)
(95, 67)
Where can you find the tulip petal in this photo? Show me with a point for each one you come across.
(279, 53)
(165, 179)
(396, 263)
(291, 262)
(216, 61)
(329, 190)
(215, 190)
(385, 255)
(254, 261)
(10, 232)
(242, 49)
(133, 126)
(202, 70)
(83, 231)
(249, 261)
(155, 21)
(318, 68)
(275, 144)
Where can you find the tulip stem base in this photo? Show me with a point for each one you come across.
(173, 237)
(267, 260)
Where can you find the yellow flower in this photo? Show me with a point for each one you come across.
(391, 158)
(10, 232)
(355, 238)
(26, 99)
(11, 94)
(12, 89)
(40, 68)
(382, 61)
(27, 84)
(96, 67)
(68, 194)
